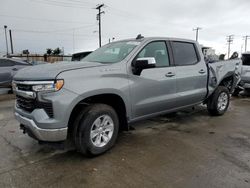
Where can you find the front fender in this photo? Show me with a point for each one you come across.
(88, 94)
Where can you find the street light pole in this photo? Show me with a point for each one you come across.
(7, 49)
(11, 42)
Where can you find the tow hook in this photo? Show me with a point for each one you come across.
(23, 129)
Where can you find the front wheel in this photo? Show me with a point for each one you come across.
(219, 101)
(96, 129)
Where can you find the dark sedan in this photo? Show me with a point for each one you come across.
(8, 68)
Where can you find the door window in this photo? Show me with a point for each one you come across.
(6, 63)
(246, 59)
(184, 53)
(158, 50)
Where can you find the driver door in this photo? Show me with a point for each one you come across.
(154, 90)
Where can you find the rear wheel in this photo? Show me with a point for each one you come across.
(219, 101)
(96, 129)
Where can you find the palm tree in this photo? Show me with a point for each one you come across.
(57, 51)
(49, 51)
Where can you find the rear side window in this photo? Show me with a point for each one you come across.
(246, 59)
(184, 53)
(6, 63)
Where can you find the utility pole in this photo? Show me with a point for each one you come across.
(113, 38)
(229, 42)
(246, 38)
(99, 7)
(7, 49)
(73, 40)
(11, 43)
(197, 32)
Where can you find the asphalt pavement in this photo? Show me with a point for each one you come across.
(187, 149)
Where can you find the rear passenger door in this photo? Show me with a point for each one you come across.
(191, 73)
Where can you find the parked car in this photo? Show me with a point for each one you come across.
(8, 68)
(38, 62)
(79, 56)
(245, 75)
(118, 84)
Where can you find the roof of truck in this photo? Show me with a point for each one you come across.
(159, 38)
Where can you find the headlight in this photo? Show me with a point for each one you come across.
(48, 86)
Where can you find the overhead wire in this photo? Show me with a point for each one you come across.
(61, 4)
(39, 19)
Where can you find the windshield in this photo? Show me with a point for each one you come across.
(112, 53)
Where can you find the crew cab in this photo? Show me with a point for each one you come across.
(120, 83)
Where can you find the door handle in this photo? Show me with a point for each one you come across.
(202, 71)
(15, 69)
(169, 74)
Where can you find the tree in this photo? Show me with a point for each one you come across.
(57, 51)
(49, 51)
(26, 52)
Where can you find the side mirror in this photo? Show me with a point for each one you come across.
(143, 63)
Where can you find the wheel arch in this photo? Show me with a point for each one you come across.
(229, 81)
(114, 100)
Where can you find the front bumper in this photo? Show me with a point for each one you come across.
(49, 135)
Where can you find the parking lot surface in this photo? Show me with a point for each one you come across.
(189, 149)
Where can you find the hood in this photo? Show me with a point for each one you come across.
(50, 71)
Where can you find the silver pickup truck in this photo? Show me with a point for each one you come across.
(120, 83)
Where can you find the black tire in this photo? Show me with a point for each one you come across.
(213, 102)
(83, 125)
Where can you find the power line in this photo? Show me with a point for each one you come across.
(76, 28)
(49, 32)
(120, 12)
(56, 31)
(75, 2)
(230, 39)
(38, 19)
(60, 4)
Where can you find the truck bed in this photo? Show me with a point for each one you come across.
(222, 69)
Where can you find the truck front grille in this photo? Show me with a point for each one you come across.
(31, 104)
(25, 104)
(23, 87)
